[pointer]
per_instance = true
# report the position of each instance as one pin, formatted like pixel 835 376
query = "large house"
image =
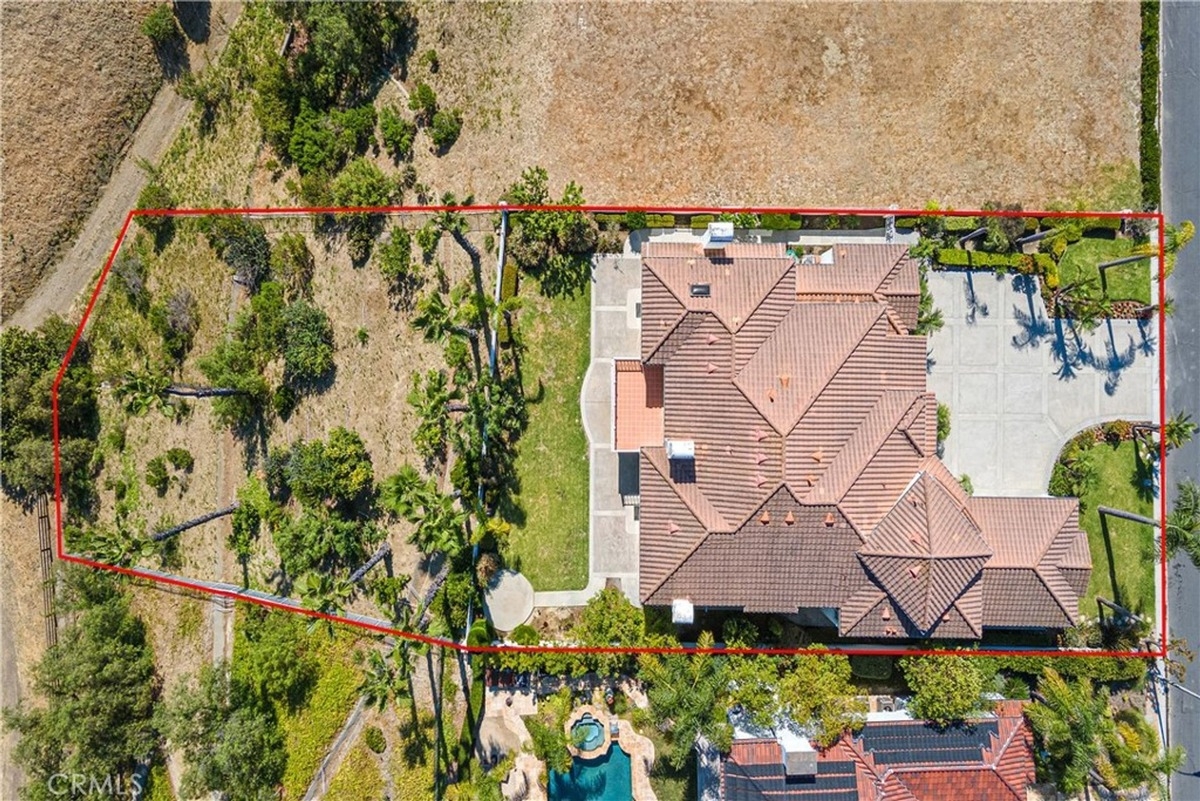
pixel 988 759
pixel 788 455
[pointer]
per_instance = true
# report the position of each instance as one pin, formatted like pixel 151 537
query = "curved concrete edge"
pixel 1064 438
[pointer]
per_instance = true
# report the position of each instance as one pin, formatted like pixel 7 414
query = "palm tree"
pixel 147 389
pixel 1179 430
pixel 1183 523
pixel 324 594
pixel 441 529
pixel 432 317
pixel 119 546
pixel 377 557
pixel 433 399
pixel 1068 719
pixel 402 494
pixel 195 521
pixel 379 680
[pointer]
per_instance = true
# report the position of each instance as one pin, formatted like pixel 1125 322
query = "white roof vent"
pixel 681 448
pixel 682 612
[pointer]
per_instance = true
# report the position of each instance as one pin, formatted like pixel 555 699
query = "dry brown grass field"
pixel 790 103
pixel 76 79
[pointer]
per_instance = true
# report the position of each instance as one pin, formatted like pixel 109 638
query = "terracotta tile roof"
pixel 639 405
pixel 804 397
pixel 737 281
pixel 859 269
pixel 989 759
pixel 798 360
pixel 769 566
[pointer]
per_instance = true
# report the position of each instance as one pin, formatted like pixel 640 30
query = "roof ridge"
pixel 872 445
pixel 1056 592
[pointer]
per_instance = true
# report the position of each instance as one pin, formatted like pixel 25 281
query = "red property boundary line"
pixel 185 583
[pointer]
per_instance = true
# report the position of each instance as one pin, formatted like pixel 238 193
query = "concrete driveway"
pixel 1019 385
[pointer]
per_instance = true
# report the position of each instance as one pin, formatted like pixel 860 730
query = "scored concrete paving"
pixel 612 531
pixel 1020 385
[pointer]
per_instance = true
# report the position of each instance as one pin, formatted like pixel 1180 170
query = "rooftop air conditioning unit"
pixel 682 612
pixel 717 236
pixel 680 449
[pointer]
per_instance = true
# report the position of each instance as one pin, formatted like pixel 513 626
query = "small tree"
pixel 397 134
pixel 446 127
pixel 308 342
pixel 687 694
pixel 945 688
pixel 395 259
pixel 1179 430
pixel 423 101
pixel 156 197
pixel 609 619
pixel 292 265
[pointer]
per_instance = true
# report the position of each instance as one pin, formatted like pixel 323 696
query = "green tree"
pixel 334 473
pixel 609 619
pixel 156 197
pixel 292 265
pixel 325 594
pixel 1067 720
pixel 396 262
pixel 29 364
pixel 1183 523
pixel 232 364
pixel 308 342
pixel 553 246
pixel 423 102
pixel 445 129
pixel 361 184
pixel 817 689
pixel 687 694
pixel 440 524
pixel 231 743
pixel 98 688
pixel 945 688
pixel 243 245
pixel 431 397
pixel 1178 430
pixel 273 656
pixel 397 134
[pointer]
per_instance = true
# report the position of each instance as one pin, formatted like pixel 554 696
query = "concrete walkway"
pixel 612 531
pixel 1019 385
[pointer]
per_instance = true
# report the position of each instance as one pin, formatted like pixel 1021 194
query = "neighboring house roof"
pixel 988 759
pixel 815 481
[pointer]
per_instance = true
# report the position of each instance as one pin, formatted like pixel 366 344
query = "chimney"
pixel 790 519
pixel 784 380
pixel 829 519
pixel 766 517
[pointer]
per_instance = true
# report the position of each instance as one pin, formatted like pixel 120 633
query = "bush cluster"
pixel 659 221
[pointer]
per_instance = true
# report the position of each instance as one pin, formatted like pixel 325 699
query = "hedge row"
pixel 1102 669
pixel 770 221
pixel 508 281
pixel 1150 148
pixel 1085 225
pixel 1038 263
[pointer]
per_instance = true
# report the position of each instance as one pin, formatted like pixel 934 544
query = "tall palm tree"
pixel 325 594
pixel 433 318
pixel 146 389
pixel 433 399
pixel 159 536
pixel 403 493
pixel 1068 720
pixel 1178 430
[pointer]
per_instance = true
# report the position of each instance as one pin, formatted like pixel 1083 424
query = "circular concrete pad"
pixel 509 600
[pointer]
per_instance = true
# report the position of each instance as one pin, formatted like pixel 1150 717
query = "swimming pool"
pixel 607 778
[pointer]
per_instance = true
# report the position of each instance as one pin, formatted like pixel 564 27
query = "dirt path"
pixel 61 289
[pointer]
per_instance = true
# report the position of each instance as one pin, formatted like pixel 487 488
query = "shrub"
pixel 943 422
pixel 1101 225
pixel 1117 431
pixel 701 220
pixel 660 221
pixel 397 133
pixel 774 221
pixel 292 265
pixel 907 222
pixel 964 481
pixel 156 475
pixel 635 220
pixel 979 260
pixel 430 59
pixel 873 668
pixel 508 281
pixel 609 219
pixel 180 459
pixel 374 739
pixel 160 25
pixel 959 225
pixel 155 196
pixel 395 258
pixel 308 342
pixel 447 125
pixel 423 101
pixel 525 634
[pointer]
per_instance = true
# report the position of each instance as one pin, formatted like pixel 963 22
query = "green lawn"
pixel 1125 282
pixel 549 542
pixel 1129 552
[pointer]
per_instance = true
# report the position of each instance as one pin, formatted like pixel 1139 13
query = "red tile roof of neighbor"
pixel 815 482
pixel 989 759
